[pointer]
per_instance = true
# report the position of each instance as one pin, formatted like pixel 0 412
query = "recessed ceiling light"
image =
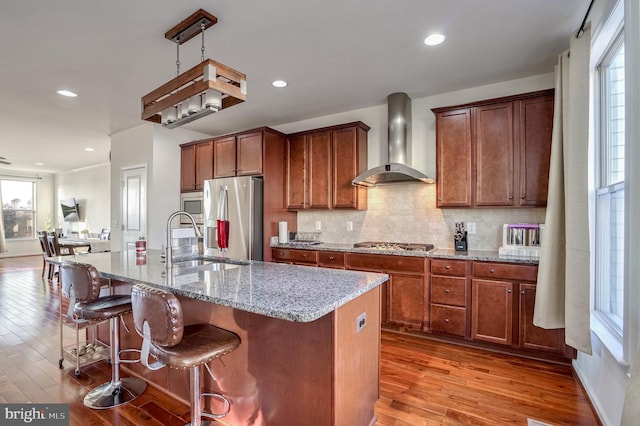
pixel 89 149
pixel 434 39
pixel 279 83
pixel 67 93
pixel 39 164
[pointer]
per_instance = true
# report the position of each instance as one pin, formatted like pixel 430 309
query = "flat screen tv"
pixel 69 210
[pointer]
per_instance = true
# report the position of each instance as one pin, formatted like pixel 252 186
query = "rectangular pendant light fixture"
pixel 202 90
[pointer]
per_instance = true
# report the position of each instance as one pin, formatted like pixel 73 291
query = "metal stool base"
pixel 110 394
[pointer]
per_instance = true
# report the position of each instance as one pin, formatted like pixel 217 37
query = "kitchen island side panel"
pixel 315 373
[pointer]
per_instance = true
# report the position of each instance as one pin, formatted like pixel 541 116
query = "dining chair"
pixel 46 253
pixel 54 246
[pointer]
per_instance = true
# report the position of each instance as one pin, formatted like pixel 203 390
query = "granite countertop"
pixel 289 292
pixel 477 255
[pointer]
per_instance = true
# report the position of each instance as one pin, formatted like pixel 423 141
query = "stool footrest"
pixel 129 361
pixel 222 398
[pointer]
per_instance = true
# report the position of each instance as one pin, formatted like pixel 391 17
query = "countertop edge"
pixel 472 255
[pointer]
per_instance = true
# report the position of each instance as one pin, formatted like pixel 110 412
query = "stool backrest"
pixel 162 312
pixel 84 279
pixel 44 244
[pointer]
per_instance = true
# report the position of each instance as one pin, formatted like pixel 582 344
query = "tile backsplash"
pixel 407 213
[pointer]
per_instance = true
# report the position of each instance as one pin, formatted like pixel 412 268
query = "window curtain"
pixel 3 242
pixel 562 296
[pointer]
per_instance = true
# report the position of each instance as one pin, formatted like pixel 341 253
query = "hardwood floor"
pixel 422 382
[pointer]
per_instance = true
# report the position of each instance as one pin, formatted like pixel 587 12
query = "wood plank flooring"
pixel 422 382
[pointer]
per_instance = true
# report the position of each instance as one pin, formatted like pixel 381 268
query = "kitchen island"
pixel 310 337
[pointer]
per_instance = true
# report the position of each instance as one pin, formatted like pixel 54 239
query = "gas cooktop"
pixel 391 246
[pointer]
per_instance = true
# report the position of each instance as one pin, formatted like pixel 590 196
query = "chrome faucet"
pixel 168 248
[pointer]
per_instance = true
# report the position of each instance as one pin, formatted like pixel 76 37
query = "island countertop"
pixel 292 293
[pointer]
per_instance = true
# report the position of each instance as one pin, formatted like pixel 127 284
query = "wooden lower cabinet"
pixel 405 300
pixel 448 319
pixel 295 257
pixel 532 337
pixel 492 311
pixel 490 303
pixel 405 295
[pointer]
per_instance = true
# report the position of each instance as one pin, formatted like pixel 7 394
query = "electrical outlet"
pixel 318 225
pixel 349 225
pixel 471 228
pixel 361 321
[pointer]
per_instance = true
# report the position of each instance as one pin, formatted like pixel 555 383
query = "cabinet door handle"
pixel 446 290
pixel 446 320
pixel 509 291
pixel 522 292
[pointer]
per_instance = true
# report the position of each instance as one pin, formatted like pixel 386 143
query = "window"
pixel 18 209
pixel 610 146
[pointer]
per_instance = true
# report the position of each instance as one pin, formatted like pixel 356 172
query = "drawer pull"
pixel 492 270
pixel 447 267
pixel 331 258
pixel 446 290
pixel 446 320
pixel 304 255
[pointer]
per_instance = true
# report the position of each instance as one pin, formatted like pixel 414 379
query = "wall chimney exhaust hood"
pixel 397 169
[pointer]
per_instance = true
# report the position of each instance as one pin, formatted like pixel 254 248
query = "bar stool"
pixel 91 307
pixel 157 317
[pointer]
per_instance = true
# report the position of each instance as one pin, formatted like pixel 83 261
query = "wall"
pixel 406 212
pixel 90 186
pixel 45 209
pixel 159 150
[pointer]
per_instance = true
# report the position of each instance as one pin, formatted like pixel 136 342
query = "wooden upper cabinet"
pixel 495 153
pixel 204 163
pixel 224 157
pixel 322 163
pixel 295 175
pixel 318 170
pixel 535 130
pixel 196 165
pixel 188 168
pixel 249 154
pixel 238 155
pixel 454 159
pixel 349 147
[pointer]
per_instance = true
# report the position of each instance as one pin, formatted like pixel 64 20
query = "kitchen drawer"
pixel 449 290
pixel 295 256
pixel 331 259
pixel 448 319
pixel 505 271
pixel 449 267
pixel 382 262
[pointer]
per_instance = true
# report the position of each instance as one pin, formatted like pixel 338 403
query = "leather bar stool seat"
pixel 157 316
pixel 84 279
pixel 196 346
pixel 104 308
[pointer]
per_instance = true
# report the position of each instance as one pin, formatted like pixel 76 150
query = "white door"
pixel 134 205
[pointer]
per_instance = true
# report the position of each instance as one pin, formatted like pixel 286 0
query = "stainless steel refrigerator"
pixel 233 217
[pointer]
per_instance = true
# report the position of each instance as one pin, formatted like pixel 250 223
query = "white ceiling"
pixel 337 56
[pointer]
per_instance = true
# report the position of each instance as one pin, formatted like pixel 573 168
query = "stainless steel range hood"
pixel 397 169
